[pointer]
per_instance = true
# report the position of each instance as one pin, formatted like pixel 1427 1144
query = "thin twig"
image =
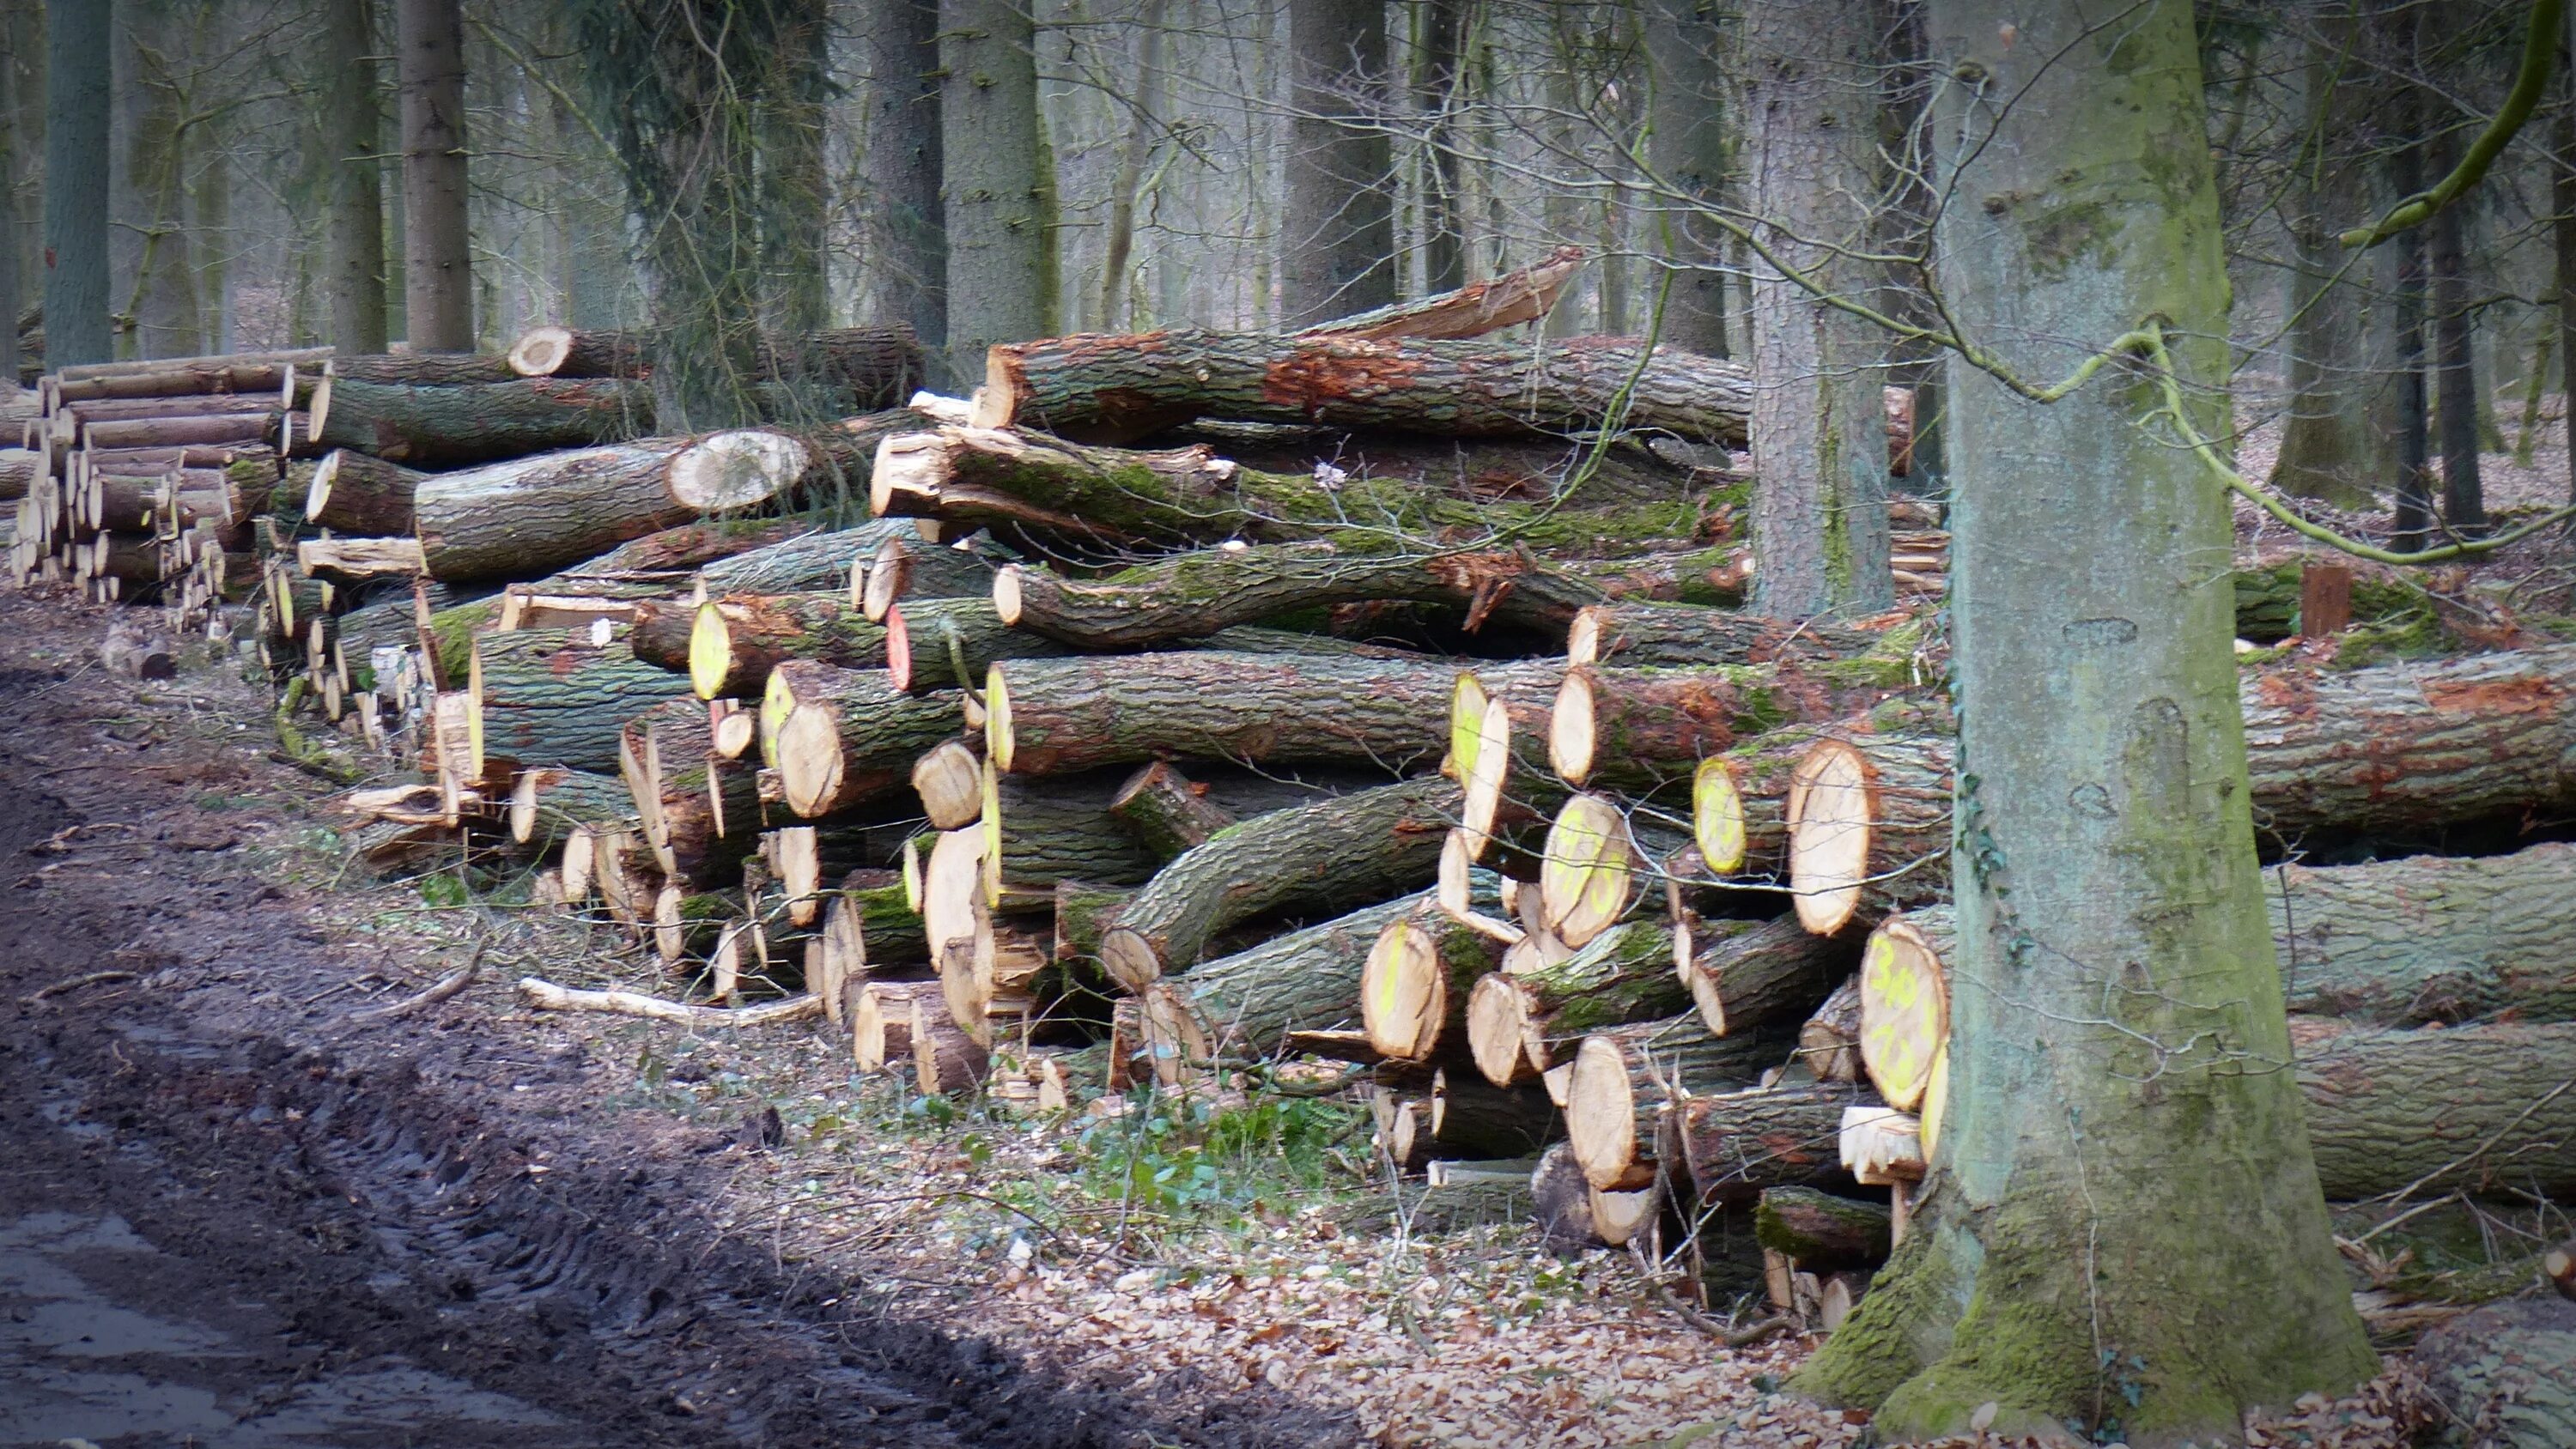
pixel 63 988
pixel 447 986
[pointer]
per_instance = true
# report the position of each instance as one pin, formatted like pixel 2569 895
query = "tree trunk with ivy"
pixel 2124 1160
pixel 1819 429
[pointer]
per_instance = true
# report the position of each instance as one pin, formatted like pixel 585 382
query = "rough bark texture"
pixel 1654 635
pixel 1623 975
pixel 953 643
pixel 509 520
pixel 996 197
pixel 2109 1179
pixel 1641 728
pixel 1819 429
pixel 551 697
pixel 1690 147
pixel 1054 715
pixel 2330 449
pixel 1118 389
pixel 438 260
pixel 1037 833
pixel 1735 1145
pixel 1820 1232
pixel 364 495
pixel 431 426
pixel 1320 857
pixel 843 736
pixel 735 640
pixel 1092 496
pixel 1748 974
pixel 77 90
pixel 907 245
pixel 355 206
pixel 1625 1076
pixel 1309 980
pixel 1338 221
pixel 2430 938
pixel 2503 1372
pixel 808 558
pixel 699 810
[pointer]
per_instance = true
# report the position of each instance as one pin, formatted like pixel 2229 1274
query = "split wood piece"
pixel 735 641
pixel 1325 856
pixel 842 737
pixel 952 643
pixel 1881 1146
pixel 1165 813
pixel 1746 975
pixel 1397 1115
pixel 1625 1075
pixel 1038 832
pixel 1822 1233
pixel 360 558
pixel 1524 295
pixel 870 925
pixel 543 605
pixel 1829 1043
pixel 907 566
pixel 532 515
pixel 1471 1117
pixel 945 1059
pixel 1193 595
pixel 1868 823
pixel 548 801
pixel 1521 1020
pixel 797 863
pixel 868 367
pixel 1452 898
pixel 1004 972
pixel 1091 498
pixel 949 778
pixel 448 427
pixel 1619 1217
pixel 547 996
pixel 1415 987
pixel 736 728
pixel 881 1022
pixel 687 925
pixel 353 492
pixel 1049 716
pixel 697 809
pixel 1116 389
pixel 554 697
pixel 953 908
pixel 1734 1145
pixel 1653 635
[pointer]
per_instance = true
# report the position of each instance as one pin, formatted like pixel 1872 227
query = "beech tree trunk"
pixel 996 195
pixel 1337 223
pixel 77 92
pixel 2464 509
pixel 2121 1163
pixel 2330 449
pixel 1819 429
pixel 438 258
pixel 1119 389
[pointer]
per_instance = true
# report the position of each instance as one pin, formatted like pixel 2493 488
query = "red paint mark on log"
pixel 2496 696
pixel 1318 373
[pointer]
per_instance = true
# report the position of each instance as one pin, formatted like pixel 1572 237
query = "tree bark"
pixel 549 802
pixel 2102 759
pixel 1415 988
pixel 953 643
pixel 1038 833
pixel 1641 729
pixel 1119 389
pixel 2501 1373
pixel 2464 509
pixel 737 639
pixel 550 697
pixel 1523 1021
pixel 422 369
pixel 77 92
pixel 1734 1146
pixel 352 126
pixel 438 259
pixel 1820 1232
pixel 842 737
pixel 1047 716
pixel 438 426
pixel 1246 1004
pixel 901 166
pixel 869 368
pixel 1819 427
pixel 1337 223
pixel 353 492
pixel 1679 636
pixel 2330 451
pixel 808 557
pixel 699 810
pixel 1624 1076
pixel 997 204
pixel 1435 93
pixel 1320 857
pixel 2462 1107
pixel 1691 153
pixel 1749 974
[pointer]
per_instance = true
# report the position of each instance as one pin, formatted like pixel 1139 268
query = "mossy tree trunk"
pixel 2123 1161
pixel 1819 429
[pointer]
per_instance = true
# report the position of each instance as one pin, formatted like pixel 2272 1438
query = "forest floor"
pixel 235 1215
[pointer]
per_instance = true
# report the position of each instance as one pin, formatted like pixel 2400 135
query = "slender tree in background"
pixel 161 305
pixel 2412 525
pixel 994 194
pixel 1690 152
pixel 795 296
pixel 2124 1163
pixel 2563 239
pixel 2455 400
pixel 906 245
pixel 1440 25
pixel 2330 450
pixel 1819 428
pixel 682 87
pixel 438 259
pixel 12 142
pixel 352 109
pixel 1143 127
pixel 1337 227
pixel 77 37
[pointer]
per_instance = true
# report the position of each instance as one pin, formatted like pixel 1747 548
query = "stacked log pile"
pixel 1144 713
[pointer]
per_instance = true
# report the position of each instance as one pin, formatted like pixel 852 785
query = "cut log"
pixel 686 926
pixel 1905 1005
pixel 685 795
pixel 1416 984
pixel 846 736
pixel 1683 636
pixel 1625 1076
pixel 1735 1145
pixel 1829 1044
pixel 546 996
pixel 1037 833
pixel 907 566
pixel 869 367
pixel 554 697
pixel 952 643
pixel 1084 912
pixel 809 558
pixel 1519 1021
pixel 533 515
pixel 548 801
pixel 949 778
pixel 1049 716
pixel 352 492
pixel 1868 823
pixel 694 545
pixel 1593 870
pixel 1524 295
pixel 1754 974
pixel 734 641
pixel 1321 857
pixel 182 378
pixel 2472 1107
pixel 1116 389
pixel 1249 1003
pixel 2500 1374
pixel 1639 729
pixel 239 430
pixel 354 559
pixel 2429 938
pixel 448 427
pixel 1822 1233
pixel 881 1022
pixel 870 926
pixel 1091 498
pixel 1165 813
pixel 945 1060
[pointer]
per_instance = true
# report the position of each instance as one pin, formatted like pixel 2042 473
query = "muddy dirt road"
pixel 230 1216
